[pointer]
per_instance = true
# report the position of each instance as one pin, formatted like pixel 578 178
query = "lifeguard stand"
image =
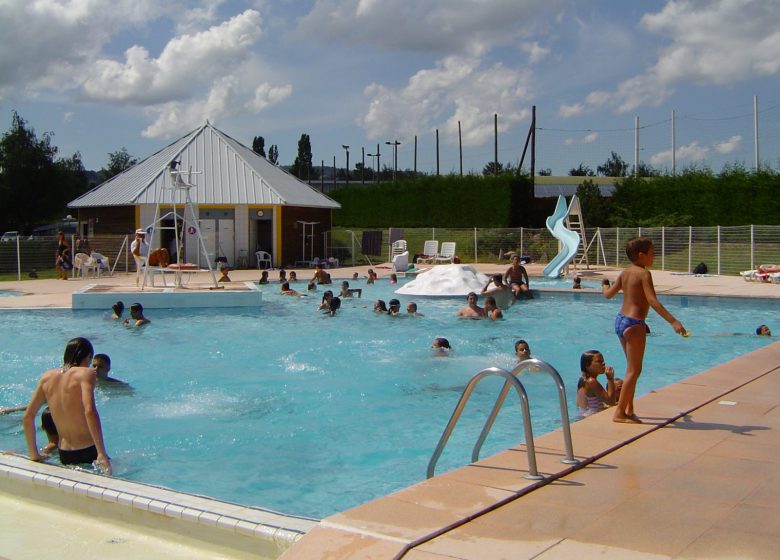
pixel 178 187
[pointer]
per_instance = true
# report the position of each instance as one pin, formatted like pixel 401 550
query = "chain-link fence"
pixel 725 250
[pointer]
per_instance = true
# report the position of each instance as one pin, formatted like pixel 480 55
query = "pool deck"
pixel 699 479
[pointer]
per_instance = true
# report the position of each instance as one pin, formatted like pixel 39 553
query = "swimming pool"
pixel 284 408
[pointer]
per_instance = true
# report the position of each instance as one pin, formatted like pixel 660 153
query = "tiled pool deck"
pixel 700 479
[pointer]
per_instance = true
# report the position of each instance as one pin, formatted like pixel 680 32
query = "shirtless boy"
pixel 516 277
pixel 638 296
pixel 472 310
pixel 70 393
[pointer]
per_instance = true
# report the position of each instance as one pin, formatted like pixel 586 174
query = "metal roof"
pixel 224 172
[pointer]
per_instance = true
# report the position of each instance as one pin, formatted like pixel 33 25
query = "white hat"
pixel 140 232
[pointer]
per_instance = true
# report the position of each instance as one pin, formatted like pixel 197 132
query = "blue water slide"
pixel 570 239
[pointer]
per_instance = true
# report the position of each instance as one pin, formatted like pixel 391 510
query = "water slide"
pixel 568 238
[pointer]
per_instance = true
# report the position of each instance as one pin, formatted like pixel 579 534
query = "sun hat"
pixel 140 232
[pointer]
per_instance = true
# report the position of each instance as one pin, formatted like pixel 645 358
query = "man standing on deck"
pixel 70 393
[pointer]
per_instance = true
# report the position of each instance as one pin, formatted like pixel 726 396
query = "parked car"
pixel 9 236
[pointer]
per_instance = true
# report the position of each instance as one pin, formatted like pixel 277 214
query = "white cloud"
pixel 47 45
pixel 266 95
pixel 68 116
pixel 184 67
pixel 728 146
pixel 535 52
pixel 566 111
pixel 434 26
pixel 710 42
pixel 589 138
pixel 457 89
pixel 691 152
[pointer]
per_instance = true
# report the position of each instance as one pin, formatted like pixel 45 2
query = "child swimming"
pixel 591 395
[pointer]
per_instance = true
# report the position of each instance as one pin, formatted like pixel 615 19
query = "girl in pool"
pixel 380 306
pixel 591 395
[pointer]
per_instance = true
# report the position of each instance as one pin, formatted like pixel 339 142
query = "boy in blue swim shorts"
pixel 639 296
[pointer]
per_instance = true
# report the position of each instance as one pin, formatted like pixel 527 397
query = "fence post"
pixel 752 255
pixel 663 247
pixel 690 246
pixel 18 260
pixel 521 241
pixel 476 258
pixel 718 250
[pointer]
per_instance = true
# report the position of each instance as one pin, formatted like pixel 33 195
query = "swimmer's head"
pixel 490 303
pixel 102 364
pixel 411 307
pixel 293 275
pixel 393 306
pixel 522 350
pixel 312 287
pixel 637 245
pixel 354 275
pixel 763 330
pixel 441 343
pixel 345 285
pixel 588 357
pixel 118 308
pixel 77 350
pixel 285 286
pixel 498 279
pixel 379 305
pixel 136 310
pixel 472 298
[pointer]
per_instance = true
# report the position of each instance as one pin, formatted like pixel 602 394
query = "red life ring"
pixel 183 266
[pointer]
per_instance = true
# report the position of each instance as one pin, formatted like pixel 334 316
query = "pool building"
pixel 244 203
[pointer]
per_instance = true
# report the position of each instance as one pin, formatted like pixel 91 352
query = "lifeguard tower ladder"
pixel 575 222
pixel 178 187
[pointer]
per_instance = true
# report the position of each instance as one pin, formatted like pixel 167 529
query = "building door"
pixel 208 229
pixel 226 241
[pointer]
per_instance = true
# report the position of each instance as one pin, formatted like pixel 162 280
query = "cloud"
pixel 442 27
pixel 47 45
pixel 184 67
pixel 728 146
pixel 457 89
pixel 266 95
pixel 691 152
pixel 535 52
pixel 709 42
pixel 589 138
pixel 68 116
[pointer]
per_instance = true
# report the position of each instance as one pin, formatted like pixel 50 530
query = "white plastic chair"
pixel 263 257
pixel 85 265
pixel 430 249
pixel 447 253
pixel 397 248
pixel 103 263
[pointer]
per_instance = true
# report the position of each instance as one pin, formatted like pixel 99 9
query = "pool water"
pixel 284 408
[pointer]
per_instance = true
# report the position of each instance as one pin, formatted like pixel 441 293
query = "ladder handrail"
pixel 543 366
pixel 509 379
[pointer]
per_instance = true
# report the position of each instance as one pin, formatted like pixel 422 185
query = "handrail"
pixel 543 366
pixel 509 379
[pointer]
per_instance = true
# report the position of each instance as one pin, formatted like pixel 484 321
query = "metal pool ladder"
pixel 510 380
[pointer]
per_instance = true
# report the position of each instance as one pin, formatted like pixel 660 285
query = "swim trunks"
pixel 622 323
pixel 78 456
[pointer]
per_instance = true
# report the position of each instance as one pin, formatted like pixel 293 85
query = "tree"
pixel 545 172
pixel 581 170
pixel 595 207
pixel 258 145
pixel 645 170
pixel 490 168
pixel 273 154
pixel 34 187
pixel 118 161
pixel 302 166
pixel 613 167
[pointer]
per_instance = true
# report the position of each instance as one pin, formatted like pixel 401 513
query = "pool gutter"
pixel 246 530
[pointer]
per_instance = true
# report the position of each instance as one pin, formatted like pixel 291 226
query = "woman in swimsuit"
pixel 62 260
pixel 591 395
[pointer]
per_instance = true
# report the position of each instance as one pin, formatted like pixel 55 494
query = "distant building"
pixel 243 202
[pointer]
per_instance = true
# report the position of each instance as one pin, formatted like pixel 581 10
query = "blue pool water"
pixel 284 408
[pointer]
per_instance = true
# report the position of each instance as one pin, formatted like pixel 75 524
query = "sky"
pixel 101 75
